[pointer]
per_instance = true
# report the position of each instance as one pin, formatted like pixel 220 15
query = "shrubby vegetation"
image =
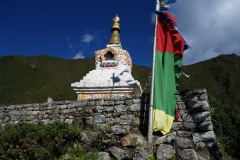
pixel 51 141
pixel 226 122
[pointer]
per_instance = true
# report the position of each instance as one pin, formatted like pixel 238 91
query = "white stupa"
pixel 112 76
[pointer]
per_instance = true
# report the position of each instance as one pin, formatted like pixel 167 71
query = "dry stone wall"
pixel 192 136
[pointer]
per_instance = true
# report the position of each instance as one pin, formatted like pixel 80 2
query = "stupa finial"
pixel 115 37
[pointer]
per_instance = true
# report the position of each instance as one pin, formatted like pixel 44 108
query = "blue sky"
pixel 76 28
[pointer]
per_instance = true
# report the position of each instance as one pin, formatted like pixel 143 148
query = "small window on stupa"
pixel 109 56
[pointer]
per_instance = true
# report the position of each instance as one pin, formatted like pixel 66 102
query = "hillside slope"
pixel 33 79
pixel 219 75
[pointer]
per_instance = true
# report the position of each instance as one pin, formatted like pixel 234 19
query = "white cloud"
pixel 79 55
pixel 211 27
pixel 87 38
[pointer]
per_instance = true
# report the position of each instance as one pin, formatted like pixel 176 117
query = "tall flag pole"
pixel 168 50
pixel 150 129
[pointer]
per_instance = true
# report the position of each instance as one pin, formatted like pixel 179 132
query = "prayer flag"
pixel 168 61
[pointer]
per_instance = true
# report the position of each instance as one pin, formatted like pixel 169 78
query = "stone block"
pixel 201 145
pixel 88 120
pixel 184 143
pixel 69 121
pixel 62 116
pixel 99 102
pixel 98 108
pixel 99 119
pixel 203 137
pixel 18 107
pixel 188 154
pixel 30 118
pixel 29 112
pixel 117 129
pixel 197 117
pixel 199 106
pixel 128 101
pixel 39 117
pixel 203 97
pixel 108 103
pixel 6 119
pixel 45 121
pixel 78 121
pixel 96 126
pixel 114 97
pixel 190 126
pixel 120 108
pixel 54 114
pixel 179 98
pixel 1 115
pixel 79 108
pixel 76 104
pixel 123 98
pixel 91 103
pixel 136 101
pixel 45 116
pixel 36 109
pixel 206 126
pixel 14 118
pixel 73 110
pixel 136 121
pixel 177 126
pixel 117 114
pixel 23 112
pixel 144 154
pixel 13 112
pixel 35 113
pixel 49 107
pixel 65 111
pixel 190 97
pixel 126 119
pixel 110 120
pixel 119 153
pixel 135 107
pixel 35 121
pixel 199 91
pixel 165 152
pixel 63 106
pixel 103 156
pixel 108 108
pixel 167 138
pixel 129 116
pixel 108 115
pixel 11 107
pixel 181 105
pixel 132 140
pixel 182 112
pixel 119 102
pixel 184 133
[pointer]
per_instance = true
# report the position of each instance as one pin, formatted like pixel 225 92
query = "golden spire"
pixel 115 37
